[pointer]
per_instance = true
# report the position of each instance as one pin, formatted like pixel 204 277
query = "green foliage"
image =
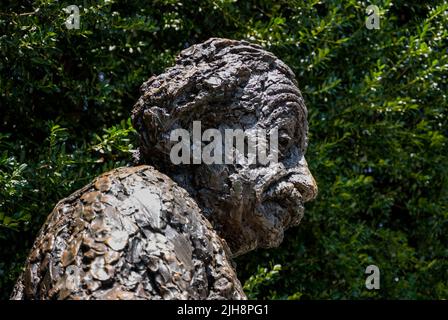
pixel 116 142
pixel 377 104
pixel 261 280
pixel 31 188
pixel 378 122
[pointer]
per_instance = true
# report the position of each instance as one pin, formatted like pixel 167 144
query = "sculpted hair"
pixel 220 82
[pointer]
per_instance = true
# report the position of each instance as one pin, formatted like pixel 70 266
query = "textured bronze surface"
pixel 228 84
pixel 131 234
pixel 135 233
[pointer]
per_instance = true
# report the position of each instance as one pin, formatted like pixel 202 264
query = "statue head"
pixel 227 84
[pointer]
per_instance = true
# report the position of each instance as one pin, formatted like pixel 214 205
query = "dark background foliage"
pixel 377 103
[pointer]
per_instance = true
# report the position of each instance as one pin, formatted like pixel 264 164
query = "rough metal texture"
pixel 130 234
pixel 133 233
pixel 228 84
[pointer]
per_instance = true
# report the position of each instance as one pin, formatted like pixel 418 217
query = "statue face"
pixel 252 205
pixel 229 84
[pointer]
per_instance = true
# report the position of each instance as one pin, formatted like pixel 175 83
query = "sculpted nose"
pixel 304 181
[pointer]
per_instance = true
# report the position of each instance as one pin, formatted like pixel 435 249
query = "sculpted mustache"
pixel 268 189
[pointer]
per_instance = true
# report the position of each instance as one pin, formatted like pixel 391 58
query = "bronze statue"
pixel 135 233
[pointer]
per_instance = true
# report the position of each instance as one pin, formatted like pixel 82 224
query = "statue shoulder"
pixel 132 233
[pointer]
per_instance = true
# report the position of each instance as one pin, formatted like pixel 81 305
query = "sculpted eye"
pixel 283 141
